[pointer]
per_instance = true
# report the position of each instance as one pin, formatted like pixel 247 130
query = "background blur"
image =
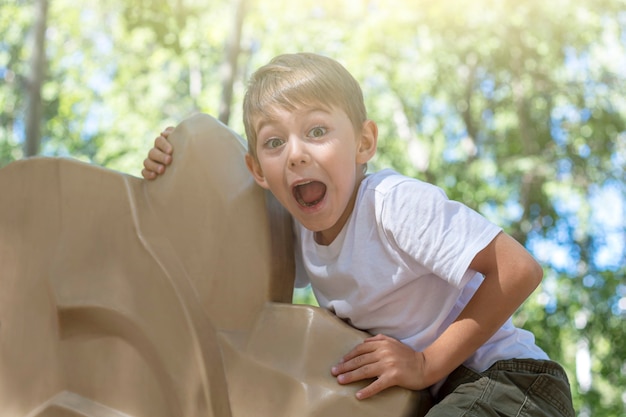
pixel 516 108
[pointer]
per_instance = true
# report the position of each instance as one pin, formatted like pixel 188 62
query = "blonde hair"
pixel 298 80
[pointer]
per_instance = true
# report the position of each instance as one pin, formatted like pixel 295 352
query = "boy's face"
pixel 312 161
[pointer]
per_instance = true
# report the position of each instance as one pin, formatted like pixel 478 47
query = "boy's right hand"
pixel 159 157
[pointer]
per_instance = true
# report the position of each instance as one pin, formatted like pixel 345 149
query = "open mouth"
pixel 310 193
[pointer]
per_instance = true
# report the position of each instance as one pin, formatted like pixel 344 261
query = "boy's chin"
pixel 312 226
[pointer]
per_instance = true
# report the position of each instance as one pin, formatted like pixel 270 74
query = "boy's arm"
pixel 159 157
pixel 511 275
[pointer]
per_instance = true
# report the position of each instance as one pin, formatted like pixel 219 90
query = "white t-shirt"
pixel 400 267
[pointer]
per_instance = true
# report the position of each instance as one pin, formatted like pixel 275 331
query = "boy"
pixel 435 281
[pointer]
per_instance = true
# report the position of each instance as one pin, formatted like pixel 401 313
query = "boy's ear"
pixel 367 143
pixel 256 171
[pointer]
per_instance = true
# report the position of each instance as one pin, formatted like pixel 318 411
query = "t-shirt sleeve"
pixel 432 231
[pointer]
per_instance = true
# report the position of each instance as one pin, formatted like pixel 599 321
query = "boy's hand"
pixel 159 157
pixel 388 360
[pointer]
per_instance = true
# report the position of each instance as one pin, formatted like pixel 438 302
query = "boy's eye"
pixel 317 132
pixel 273 143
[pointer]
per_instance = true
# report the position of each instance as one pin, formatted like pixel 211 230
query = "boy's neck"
pixel 328 236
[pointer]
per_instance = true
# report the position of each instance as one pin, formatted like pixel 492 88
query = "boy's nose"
pixel 297 153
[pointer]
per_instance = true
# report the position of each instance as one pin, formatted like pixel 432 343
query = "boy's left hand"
pixel 388 360
pixel 159 157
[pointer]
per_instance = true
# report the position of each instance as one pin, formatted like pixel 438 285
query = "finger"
pixel 147 174
pixel 159 157
pixel 360 355
pixel 163 145
pixel 372 389
pixel 354 363
pixel 349 363
pixel 358 350
pixel 166 132
pixel 153 166
pixel 365 371
pixel 378 338
pixel 360 368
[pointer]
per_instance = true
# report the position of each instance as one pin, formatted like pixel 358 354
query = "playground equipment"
pixel 124 297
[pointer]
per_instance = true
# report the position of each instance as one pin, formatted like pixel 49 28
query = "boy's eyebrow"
pixel 264 122
pixel 269 120
pixel 318 109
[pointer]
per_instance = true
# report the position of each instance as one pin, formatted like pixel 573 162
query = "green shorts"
pixel 517 387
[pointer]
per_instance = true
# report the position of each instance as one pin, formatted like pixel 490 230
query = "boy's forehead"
pixel 273 113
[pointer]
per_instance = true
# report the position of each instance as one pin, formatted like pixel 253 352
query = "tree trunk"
pixel 35 82
pixel 229 67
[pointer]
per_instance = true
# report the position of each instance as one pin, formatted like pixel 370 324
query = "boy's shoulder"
pixel 387 181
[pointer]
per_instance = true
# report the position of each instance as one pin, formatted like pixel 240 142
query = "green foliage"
pixel 515 108
pixel 14 24
pixel 304 296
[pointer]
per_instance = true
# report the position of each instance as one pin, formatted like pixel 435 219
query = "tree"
pixel 15 24
pixel 504 105
pixel 229 67
pixel 35 82
pixel 515 114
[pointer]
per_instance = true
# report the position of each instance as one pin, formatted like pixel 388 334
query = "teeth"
pixel 311 204
pixel 305 204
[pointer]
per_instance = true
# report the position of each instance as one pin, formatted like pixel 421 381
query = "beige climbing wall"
pixel 120 297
